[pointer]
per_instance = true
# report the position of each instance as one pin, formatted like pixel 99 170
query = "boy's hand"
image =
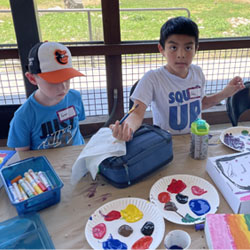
pixel 234 86
pixel 122 132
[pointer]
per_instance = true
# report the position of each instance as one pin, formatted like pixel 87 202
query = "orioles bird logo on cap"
pixel 61 56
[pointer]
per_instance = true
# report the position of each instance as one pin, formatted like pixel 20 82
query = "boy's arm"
pixel 125 131
pixel 23 148
pixel 233 86
pixel 18 135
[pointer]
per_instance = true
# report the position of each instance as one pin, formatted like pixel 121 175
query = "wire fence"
pixel 219 66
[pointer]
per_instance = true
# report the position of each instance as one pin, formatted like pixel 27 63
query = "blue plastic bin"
pixel 39 201
pixel 25 232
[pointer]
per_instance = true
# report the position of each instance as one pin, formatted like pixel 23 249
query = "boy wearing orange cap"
pixel 50 116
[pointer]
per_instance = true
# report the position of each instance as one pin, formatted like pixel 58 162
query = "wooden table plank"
pixel 66 220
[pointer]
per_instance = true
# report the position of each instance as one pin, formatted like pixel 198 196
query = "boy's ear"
pixel 161 50
pixel 31 78
pixel 197 47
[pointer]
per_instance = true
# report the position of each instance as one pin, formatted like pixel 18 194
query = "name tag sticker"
pixel 66 114
pixel 194 92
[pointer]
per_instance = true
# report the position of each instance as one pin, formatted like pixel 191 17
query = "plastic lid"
pixel 200 127
pixel 25 232
pixel 5 155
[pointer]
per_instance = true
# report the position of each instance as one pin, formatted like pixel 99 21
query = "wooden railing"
pixel 113 54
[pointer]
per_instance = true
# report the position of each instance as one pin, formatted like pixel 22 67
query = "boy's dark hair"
pixel 179 26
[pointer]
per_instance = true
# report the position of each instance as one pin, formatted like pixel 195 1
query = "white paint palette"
pixel 236 138
pixel 199 193
pixel 150 213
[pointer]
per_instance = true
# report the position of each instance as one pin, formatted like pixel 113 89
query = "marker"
pixel 26 188
pixel 12 191
pixel 18 193
pixel 48 180
pixel 16 179
pixel 44 180
pixel 32 183
pixel 24 196
pixel 129 112
pixel 37 181
pixel 30 187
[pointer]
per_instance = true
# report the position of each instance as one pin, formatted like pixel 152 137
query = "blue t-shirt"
pixel 43 127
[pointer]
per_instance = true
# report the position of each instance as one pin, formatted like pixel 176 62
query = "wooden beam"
pixel 111 31
pixel 27 33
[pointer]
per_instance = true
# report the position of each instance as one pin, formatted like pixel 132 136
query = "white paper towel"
pixel 101 146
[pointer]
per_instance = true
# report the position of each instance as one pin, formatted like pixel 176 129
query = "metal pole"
pixel 90 26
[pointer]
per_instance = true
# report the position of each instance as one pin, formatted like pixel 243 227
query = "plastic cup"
pixel 177 239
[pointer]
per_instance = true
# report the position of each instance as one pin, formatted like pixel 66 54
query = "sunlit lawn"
pixel 221 18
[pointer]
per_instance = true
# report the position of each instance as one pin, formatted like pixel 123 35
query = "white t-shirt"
pixel 175 102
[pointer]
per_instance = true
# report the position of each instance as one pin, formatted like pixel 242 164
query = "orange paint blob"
pixel 143 243
pixel 164 197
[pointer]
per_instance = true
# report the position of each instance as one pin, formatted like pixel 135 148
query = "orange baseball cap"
pixel 52 61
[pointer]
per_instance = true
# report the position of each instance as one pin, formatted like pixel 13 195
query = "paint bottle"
pixel 199 139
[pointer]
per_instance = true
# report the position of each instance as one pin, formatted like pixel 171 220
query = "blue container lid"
pixel 200 127
pixel 5 155
pixel 25 232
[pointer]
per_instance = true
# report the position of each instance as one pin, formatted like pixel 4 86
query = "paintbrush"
pixel 129 112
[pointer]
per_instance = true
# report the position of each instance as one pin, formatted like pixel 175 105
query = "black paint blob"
pixel 183 199
pixel 148 228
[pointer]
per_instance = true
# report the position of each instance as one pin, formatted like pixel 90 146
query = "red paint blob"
pixel 99 231
pixel 164 197
pixel 112 215
pixel 143 243
pixel 197 190
pixel 176 186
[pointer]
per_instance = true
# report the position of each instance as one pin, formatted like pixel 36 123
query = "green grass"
pixel 214 18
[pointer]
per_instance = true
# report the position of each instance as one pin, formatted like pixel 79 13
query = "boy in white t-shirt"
pixel 176 90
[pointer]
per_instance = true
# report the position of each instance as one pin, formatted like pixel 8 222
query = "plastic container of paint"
pixel 199 139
